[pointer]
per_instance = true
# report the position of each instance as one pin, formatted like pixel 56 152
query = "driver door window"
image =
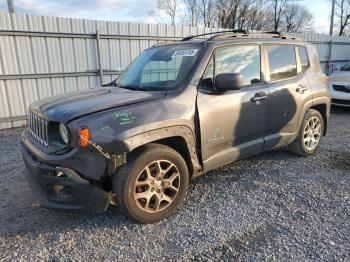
pixel 234 59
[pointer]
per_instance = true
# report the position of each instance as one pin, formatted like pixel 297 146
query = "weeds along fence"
pixel 41 56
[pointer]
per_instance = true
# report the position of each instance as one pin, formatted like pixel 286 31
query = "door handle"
pixel 258 97
pixel 301 89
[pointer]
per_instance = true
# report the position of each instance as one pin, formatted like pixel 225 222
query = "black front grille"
pixel 342 88
pixel 341 102
pixel 38 128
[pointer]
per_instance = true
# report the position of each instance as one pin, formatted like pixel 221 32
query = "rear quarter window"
pixel 304 60
pixel 282 62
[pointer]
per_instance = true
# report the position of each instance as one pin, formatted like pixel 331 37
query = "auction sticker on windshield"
pixel 185 52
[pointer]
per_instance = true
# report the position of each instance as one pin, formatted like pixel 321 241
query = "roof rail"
pixel 241 33
pixel 218 32
pixel 235 33
pixel 273 34
pixel 280 35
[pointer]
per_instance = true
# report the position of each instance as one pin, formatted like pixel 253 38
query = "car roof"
pixel 258 40
pixel 238 36
pixel 226 41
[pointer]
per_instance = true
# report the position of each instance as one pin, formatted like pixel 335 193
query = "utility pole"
pixel 332 19
pixel 11 6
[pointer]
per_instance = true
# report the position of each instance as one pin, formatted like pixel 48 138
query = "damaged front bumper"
pixel 62 188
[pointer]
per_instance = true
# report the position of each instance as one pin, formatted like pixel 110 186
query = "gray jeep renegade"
pixel 178 111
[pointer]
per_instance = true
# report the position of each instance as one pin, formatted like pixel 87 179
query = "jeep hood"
pixel 64 108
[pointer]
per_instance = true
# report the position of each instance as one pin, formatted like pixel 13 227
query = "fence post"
pixel 100 71
pixel 330 56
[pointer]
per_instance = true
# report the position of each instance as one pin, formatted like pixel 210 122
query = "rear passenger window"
pixel 282 62
pixel 303 58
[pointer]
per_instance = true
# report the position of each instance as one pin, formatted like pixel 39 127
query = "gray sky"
pixel 132 10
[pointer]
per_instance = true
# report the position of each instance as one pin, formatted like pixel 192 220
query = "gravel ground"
pixel 274 206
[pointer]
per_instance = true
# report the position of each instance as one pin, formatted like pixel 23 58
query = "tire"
pixel 138 177
pixel 301 145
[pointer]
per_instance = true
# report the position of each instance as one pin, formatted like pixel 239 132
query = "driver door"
pixel 232 123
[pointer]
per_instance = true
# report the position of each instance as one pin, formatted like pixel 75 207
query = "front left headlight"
pixel 64 132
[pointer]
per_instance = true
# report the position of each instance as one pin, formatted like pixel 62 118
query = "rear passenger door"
pixel 288 91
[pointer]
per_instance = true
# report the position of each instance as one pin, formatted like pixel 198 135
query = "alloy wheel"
pixel 157 186
pixel 312 133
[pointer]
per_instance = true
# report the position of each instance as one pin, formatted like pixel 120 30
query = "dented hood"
pixel 63 108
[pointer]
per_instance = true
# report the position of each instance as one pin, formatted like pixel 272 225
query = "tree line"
pixel 269 15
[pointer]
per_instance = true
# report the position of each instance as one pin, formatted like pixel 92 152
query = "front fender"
pixel 122 130
pixel 184 132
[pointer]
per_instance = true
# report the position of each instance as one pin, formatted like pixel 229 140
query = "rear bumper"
pixel 66 191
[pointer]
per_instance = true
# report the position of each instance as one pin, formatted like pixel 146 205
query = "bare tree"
pixel 287 15
pixel 207 11
pixel 259 17
pixel 278 6
pixel 279 9
pixel 223 11
pixel 343 13
pixel 170 7
pixel 244 8
pixel 192 9
pixel 235 13
pixel 296 18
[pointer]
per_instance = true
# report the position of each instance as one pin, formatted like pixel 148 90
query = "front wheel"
pixel 310 134
pixel 152 185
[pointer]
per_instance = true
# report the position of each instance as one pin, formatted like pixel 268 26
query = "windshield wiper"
pixel 132 87
pixel 113 83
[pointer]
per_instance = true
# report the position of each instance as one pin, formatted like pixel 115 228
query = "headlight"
pixel 64 133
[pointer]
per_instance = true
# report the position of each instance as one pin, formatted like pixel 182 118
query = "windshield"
pixel 160 68
pixel 345 67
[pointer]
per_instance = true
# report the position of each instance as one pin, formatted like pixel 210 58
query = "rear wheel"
pixel 310 134
pixel 152 185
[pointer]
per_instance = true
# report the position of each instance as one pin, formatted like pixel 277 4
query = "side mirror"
pixel 231 81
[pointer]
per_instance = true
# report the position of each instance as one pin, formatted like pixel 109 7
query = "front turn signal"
pixel 84 137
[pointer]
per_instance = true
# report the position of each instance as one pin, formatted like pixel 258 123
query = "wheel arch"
pixel 322 108
pixel 319 103
pixel 179 138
